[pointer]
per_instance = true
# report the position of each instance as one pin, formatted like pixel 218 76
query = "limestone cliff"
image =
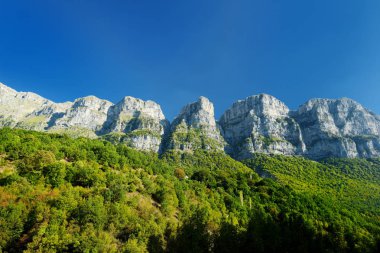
pixel 338 128
pixel 195 128
pixel 262 124
pixel 318 129
pixel 142 123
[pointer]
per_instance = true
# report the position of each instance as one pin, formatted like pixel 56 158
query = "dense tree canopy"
pixel 59 194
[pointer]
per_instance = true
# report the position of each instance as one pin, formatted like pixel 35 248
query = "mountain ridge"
pixel 318 129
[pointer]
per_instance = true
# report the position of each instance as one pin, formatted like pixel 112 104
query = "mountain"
pixel 27 110
pixel 86 115
pixel 62 194
pixel 261 124
pixel 318 129
pixel 195 128
pixel 140 124
pixel 338 128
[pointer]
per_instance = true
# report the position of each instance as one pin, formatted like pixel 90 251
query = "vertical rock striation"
pixel 138 123
pixel 262 124
pixel 195 128
pixel 85 116
pixel 320 128
pixel 26 110
pixel 338 128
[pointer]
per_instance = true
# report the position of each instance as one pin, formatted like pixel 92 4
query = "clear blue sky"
pixel 174 51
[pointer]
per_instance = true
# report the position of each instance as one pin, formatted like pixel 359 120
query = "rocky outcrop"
pixel 26 110
pixel 262 124
pixel 86 115
pixel 258 124
pixel 338 128
pixel 195 128
pixel 318 129
pixel 142 124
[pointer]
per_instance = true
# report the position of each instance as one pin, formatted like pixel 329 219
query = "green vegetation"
pixel 270 140
pixel 33 123
pixel 59 194
pixel 367 170
pixel 185 137
pixel 74 132
pixel 353 184
pixel 143 132
pixel 116 137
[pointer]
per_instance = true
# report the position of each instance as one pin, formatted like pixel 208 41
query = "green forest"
pixel 59 194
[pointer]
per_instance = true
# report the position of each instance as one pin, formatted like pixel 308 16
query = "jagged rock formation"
pixel 195 128
pixel 140 124
pixel 338 128
pixel 26 109
pixel 261 124
pixel 318 129
pixel 85 116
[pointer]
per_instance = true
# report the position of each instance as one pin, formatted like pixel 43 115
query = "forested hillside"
pixel 59 194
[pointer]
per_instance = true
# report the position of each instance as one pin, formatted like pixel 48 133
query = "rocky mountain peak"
pixel 341 104
pixel 16 106
pixel 341 116
pixel 205 105
pixel 138 123
pixel 261 123
pixel 319 128
pixel 6 89
pixel 90 101
pixel 339 127
pixel 198 114
pixel 195 127
pixel 131 105
pixel 85 114
pixel 264 104
pixel 257 105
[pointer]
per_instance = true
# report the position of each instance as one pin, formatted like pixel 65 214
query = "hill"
pixel 60 194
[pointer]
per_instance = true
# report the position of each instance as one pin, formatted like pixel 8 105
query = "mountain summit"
pixel 261 123
pixel 195 128
pixel 318 129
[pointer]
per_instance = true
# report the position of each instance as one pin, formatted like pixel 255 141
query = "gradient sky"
pixel 175 51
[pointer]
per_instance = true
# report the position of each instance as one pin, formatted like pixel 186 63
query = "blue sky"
pixel 172 52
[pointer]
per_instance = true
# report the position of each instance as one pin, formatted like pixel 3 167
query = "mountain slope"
pixel 77 195
pixel 140 124
pixel 195 128
pixel 318 129
pixel 353 183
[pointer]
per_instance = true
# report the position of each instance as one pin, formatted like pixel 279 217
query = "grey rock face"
pixel 318 129
pixel 88 112
pixel 133 113
pixel 142 121
pixel 262 124
pixel 338 128
pixel 19 104
pixel 140 124
pixel 195 128
pixel 26 109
